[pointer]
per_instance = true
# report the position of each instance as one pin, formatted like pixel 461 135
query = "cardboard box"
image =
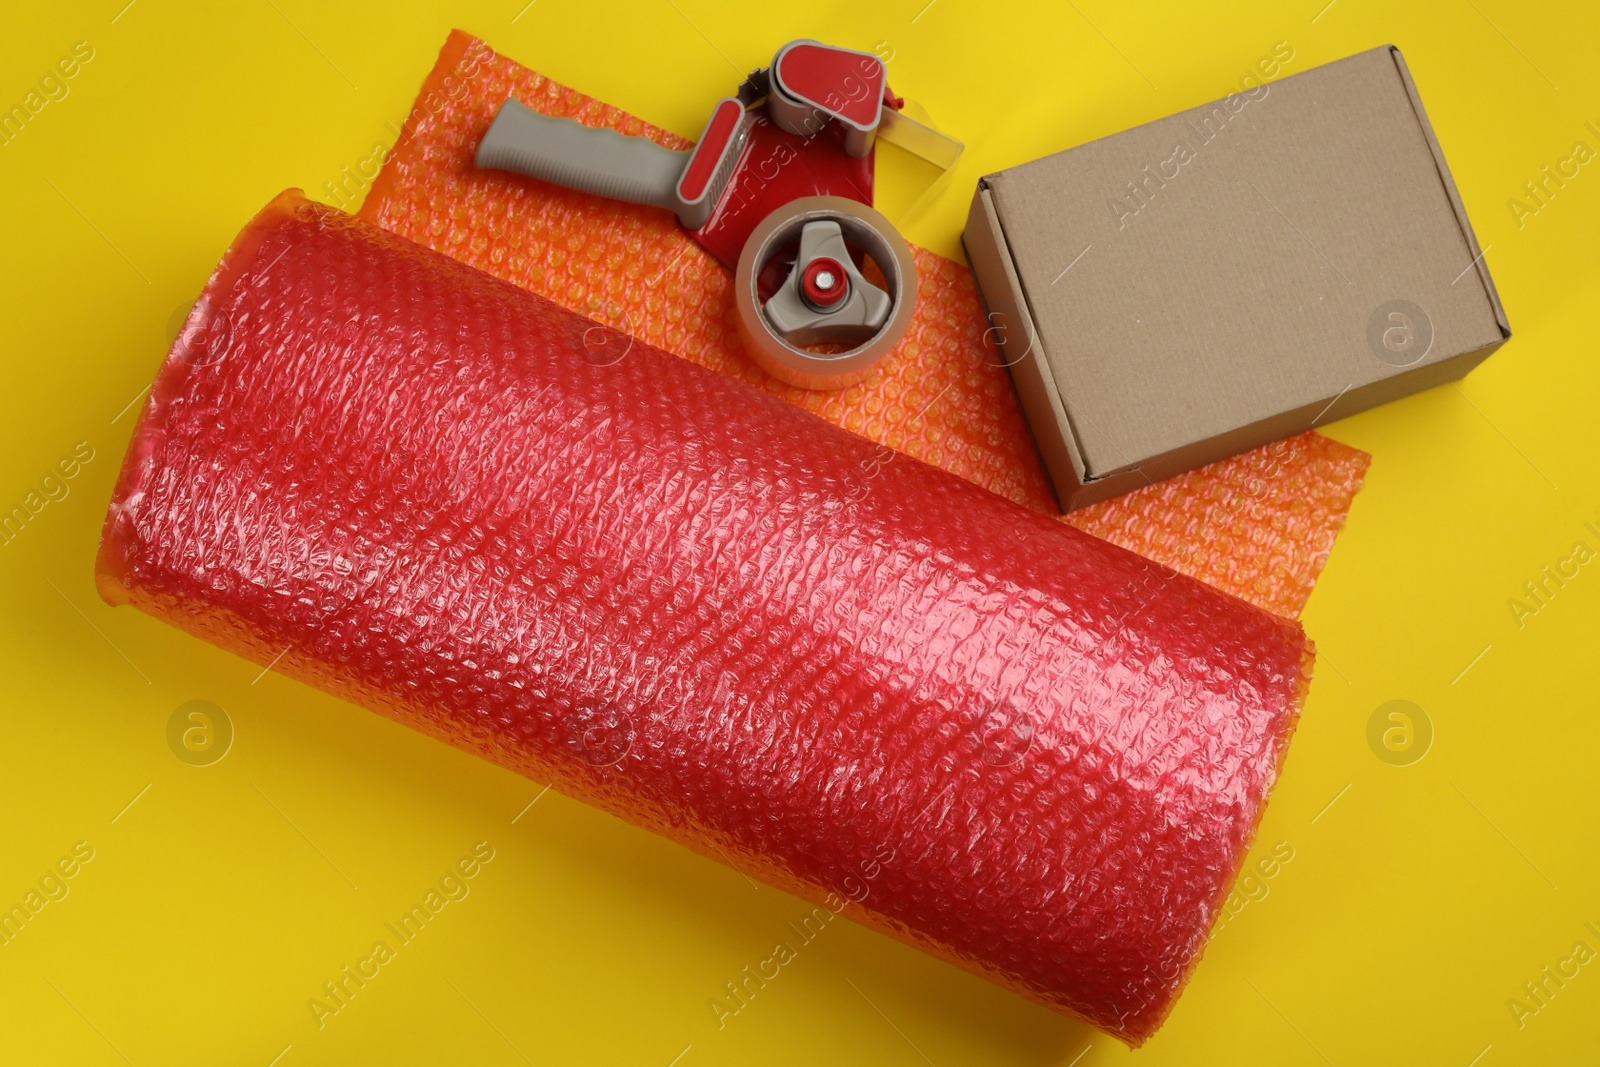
pixel 1206 283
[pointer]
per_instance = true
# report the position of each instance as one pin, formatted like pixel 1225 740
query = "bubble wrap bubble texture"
pixel 1259 525
pixel 849 673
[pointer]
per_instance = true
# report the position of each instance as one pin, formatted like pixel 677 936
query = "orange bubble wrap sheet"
pixel 1259 525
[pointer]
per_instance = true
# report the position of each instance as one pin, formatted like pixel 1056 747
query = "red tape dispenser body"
pixel 782 175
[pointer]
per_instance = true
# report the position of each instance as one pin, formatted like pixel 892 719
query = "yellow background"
pixel 216 905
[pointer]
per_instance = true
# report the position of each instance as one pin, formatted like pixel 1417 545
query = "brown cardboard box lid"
pixel 1180 303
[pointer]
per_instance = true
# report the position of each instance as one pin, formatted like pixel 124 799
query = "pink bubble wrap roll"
pixel 852 675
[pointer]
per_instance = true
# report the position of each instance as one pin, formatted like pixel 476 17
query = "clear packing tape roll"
pixel 1011 744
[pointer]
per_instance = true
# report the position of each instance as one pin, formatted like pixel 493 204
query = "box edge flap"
pixel 1479 264
pixel 1036 346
